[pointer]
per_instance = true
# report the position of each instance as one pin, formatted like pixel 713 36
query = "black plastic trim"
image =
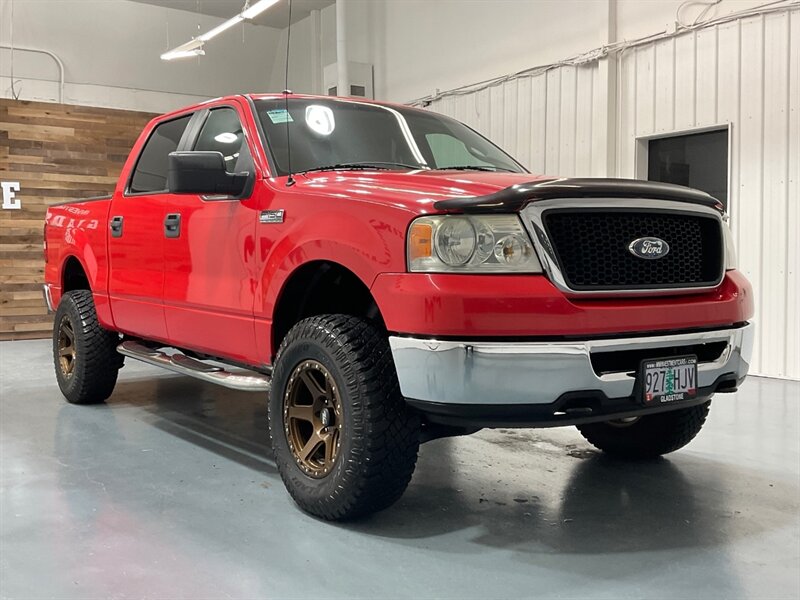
pixel 192 132
pixel 517 197
pixel 189 141
pixel 271 163
pixel 571 408
pixel 189 179
pixel 172 225
pixel 115 226
pixel 641 287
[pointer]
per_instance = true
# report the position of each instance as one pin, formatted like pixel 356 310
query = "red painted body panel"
pixel 136 263
pixel 79 231
pixel 215 288
pixel 513 305
pixel 368 236
pixel 358 220
pixel 136 259
pixel 211 271
pixel 210 277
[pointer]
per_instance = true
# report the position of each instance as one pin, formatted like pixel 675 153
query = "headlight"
pixel 477 244
pixel 730 250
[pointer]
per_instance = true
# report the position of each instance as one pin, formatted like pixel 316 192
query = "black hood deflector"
pixel 516 197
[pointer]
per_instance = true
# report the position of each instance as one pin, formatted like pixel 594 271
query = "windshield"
pixel 341 134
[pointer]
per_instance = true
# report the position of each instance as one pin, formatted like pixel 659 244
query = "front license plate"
pixel 669 379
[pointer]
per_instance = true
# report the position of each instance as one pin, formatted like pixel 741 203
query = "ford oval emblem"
pixel 649 248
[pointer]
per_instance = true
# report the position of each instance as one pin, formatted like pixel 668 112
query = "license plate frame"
pixel 663 372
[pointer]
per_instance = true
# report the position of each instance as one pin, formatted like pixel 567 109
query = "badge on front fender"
pixel 271 216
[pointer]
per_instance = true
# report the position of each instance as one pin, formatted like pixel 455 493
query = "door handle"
pixel 172 225
pixel 116 226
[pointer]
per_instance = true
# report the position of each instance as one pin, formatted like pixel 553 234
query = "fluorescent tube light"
pixel 220 28
pixel 173 54
pixel 226 137
pixel 194 47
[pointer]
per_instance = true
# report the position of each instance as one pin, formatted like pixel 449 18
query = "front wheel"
pixel 345 441
pixel 648 436
pixel 85 354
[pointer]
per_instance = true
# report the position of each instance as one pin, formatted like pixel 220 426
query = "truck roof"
pixel 275 95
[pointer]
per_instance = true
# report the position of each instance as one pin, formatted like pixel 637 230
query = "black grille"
pixel 591 247
pixel 620 361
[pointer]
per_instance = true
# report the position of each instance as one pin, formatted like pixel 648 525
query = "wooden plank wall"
pixel 56 152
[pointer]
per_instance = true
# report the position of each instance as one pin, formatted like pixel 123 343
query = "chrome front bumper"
pixel 530 373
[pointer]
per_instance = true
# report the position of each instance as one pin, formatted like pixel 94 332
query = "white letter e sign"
pixel 10 202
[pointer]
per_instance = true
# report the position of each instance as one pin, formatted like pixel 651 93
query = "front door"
pixel 136 240
pixel 209 284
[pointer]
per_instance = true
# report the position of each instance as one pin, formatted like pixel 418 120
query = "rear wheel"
pixel 85 354
pixel 344 440
pixel 648 436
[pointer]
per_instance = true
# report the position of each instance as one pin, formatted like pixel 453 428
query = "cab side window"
pixel 150 174
pixel 222 132
pixel 449 151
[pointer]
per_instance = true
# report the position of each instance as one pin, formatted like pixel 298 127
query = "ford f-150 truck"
pixel 386 276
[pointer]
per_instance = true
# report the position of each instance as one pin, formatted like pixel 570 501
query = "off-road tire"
pixel 650 436
pixel 96 362
pixel 380 433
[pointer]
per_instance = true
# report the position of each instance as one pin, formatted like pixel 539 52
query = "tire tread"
pixel 388 434
pixel 651 436
pixel 98 362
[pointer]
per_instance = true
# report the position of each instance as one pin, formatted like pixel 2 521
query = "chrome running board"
pixel 249 381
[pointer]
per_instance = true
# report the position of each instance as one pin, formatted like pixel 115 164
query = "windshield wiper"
pixel 475 168
pixel 387 166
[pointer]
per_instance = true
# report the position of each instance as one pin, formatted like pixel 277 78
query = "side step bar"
pixel 180 363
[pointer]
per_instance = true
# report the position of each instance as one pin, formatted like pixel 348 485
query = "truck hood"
pixel 480 191
pixel 416 191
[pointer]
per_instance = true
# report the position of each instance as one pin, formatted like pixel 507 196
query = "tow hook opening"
pixel 577 406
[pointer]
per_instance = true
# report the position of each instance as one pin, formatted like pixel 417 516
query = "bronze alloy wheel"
pixel 312 418
pixel 85 356
pixel 344 440
pixel 66 347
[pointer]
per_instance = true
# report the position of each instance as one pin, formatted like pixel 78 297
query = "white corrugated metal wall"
pixel 544 121
pixel 744 74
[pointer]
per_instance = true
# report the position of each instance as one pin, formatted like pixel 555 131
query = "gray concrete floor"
pixel 168 491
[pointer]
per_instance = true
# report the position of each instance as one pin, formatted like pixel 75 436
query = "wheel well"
pixel 74 276
pixel 317 288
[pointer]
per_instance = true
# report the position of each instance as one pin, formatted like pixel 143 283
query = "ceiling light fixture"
pixel 220 28
pixel 176 53
pixel 226 137
pixel 194 47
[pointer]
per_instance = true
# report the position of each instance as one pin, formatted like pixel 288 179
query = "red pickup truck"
pixel 387 276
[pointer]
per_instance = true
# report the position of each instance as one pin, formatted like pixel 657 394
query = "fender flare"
pixel 308 241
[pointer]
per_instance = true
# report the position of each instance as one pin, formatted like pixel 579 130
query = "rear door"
pixel 136 235
pixel 210 263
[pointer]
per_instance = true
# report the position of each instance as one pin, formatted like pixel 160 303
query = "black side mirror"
pixel 203 173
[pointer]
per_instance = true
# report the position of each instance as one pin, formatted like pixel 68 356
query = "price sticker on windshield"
pixel 279 115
